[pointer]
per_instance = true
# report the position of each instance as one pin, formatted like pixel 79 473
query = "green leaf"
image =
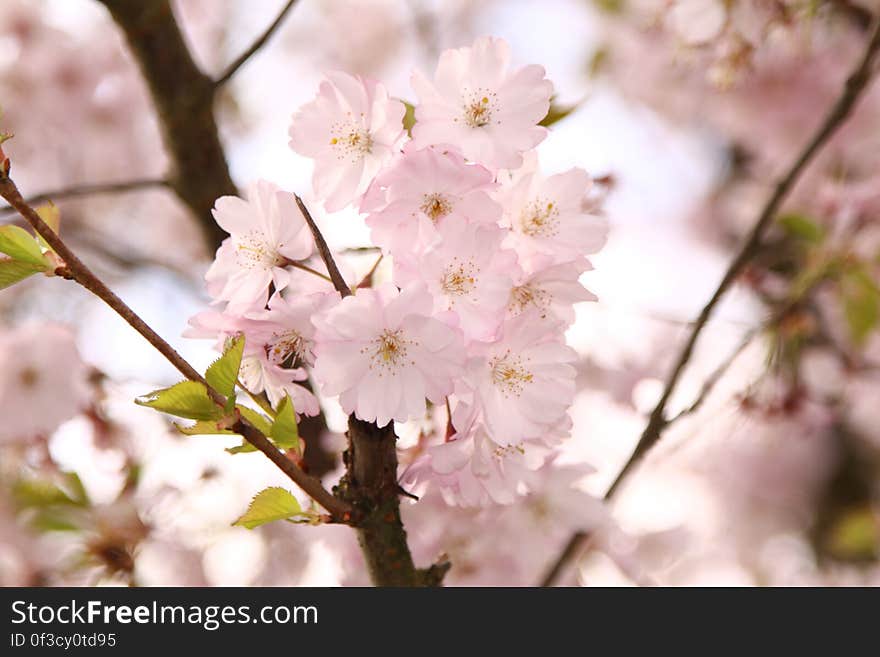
pixel 223 372
pixel 50 214
pixel 20 245
pixel 861 304
pixel 256 418
pixel 409 117
pixel 202 428
pixel 284 431
pixel 40 493
pixel 13 271
pixel 244 448
pixel 556 113
pixel 802 227
pixel 54 520
pixel 269 505
pixel 187 399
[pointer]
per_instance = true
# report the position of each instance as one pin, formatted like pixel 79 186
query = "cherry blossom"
pixel 383 353
pixel 479 105
pixel 266 231
pixel 351 130
pixel 547 214
pixel 523 383
pixel 551 290
pixel 420 190
pixel 468 272
pixel 45 381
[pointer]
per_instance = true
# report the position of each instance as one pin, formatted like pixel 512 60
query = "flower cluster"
pixel 485 254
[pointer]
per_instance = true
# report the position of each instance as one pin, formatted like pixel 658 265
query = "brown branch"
pixel 260 41
pixel 853 89
pixel 75 269
pixel 76 191
pixel 324 251
pixel 370 481
pixel 184 100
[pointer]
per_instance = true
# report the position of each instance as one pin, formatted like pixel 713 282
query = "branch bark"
pixel 853 88
pixel 77 191
pixel 370 480
pixel 184 100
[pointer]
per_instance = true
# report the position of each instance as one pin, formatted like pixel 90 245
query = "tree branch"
pixel 76 270
pixel 75 191
pixel 261 40
pixel 324 251
pixel 184 100
pixel 370 481
pixel 853 89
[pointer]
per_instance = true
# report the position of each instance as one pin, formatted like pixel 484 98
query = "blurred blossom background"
pixel 686 110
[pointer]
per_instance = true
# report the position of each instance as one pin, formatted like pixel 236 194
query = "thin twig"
pixel 298 265
pixel 261 40
pixel 75 269
pixel 716 375
pixel 853 89
pixel 76 191
pixel 324 251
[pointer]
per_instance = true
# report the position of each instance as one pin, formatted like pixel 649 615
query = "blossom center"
pixel 254 252
pixel 523 296
pixel 509 375
pixel 351 141
pixel 459 278
pixel 436 206
pixel 540 219
pixel 479 108
pixel 28 377
pixel 286 349
pixel 388 352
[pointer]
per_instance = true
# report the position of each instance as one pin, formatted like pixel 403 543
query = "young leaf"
pixel 13 271
pixel 52 217
pixel 284 431
pixel 187 399
pixel 269 505
pixel 556 113
pixel 223 372
pixel 409 117
pixel 802 227
pixel 256 419
pixel 20 245
pixel 861 304
pixel 244 448
pixel 202 428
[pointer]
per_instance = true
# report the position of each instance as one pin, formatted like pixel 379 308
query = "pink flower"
pixel 472 470
pixel 466 271
pixel 476 104
pixel 278 345
pixel 550 290
pixel 422 189
pixel 383 354
pixel 547 215
pixel 351 130
pixel 523 383
pixel 44 382
pixel 266 231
